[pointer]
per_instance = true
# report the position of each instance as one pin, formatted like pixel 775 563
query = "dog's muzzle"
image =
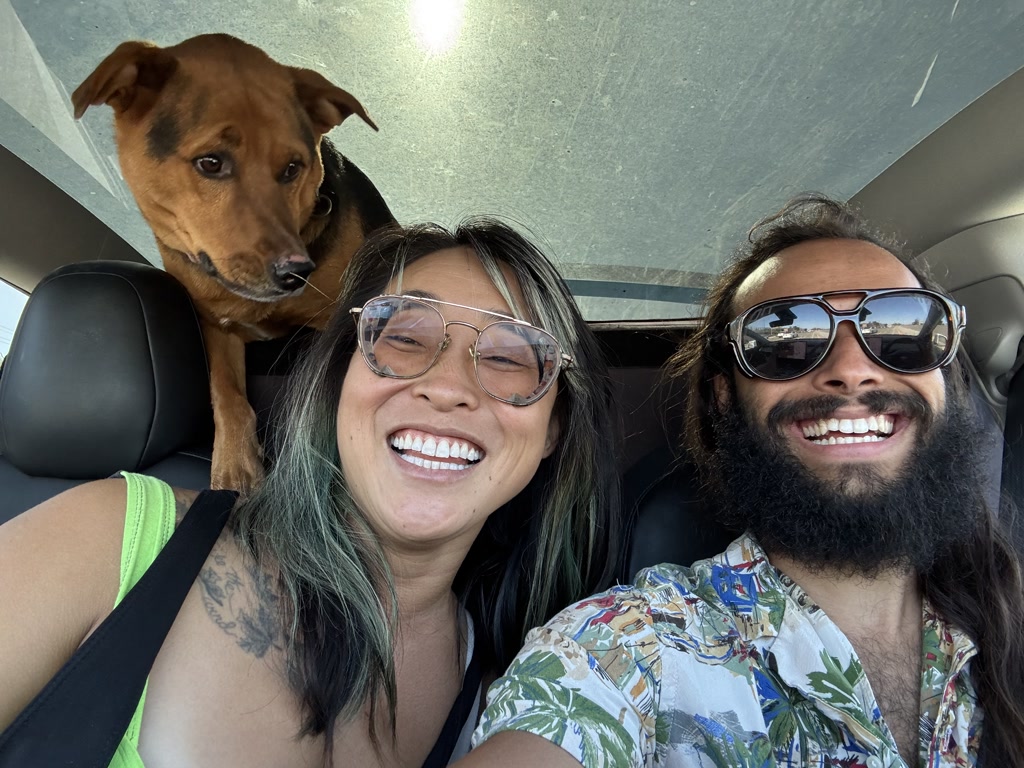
pixel 290 273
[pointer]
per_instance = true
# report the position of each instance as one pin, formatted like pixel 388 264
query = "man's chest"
pixel 895 679
pixel 756 708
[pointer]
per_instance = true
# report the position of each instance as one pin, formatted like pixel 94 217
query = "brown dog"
pixel 253 210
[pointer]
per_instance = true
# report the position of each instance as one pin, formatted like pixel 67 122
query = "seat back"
pixel 669 519
pixel 1013 454
pixel 106 372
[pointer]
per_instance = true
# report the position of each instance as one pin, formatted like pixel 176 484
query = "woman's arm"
pixel 59 576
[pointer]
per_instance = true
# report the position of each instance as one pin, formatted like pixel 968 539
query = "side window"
pixel 12 303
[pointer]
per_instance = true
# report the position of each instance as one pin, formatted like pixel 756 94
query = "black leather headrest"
pixel 670 521
pixel 107 371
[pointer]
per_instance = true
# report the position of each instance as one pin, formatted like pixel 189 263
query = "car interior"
pixel 107 371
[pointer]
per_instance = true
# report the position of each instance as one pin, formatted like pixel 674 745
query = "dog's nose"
pixel 289 273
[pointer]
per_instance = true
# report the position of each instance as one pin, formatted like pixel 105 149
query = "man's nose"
pixel 847 368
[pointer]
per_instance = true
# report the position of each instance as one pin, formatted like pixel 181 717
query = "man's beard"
pixel 859 521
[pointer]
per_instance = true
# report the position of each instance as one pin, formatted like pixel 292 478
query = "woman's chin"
pixel 420 525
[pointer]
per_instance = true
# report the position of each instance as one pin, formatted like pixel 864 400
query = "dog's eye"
pixel 212 166
pixel 291 171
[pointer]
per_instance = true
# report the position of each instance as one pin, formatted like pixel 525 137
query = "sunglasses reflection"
pixel 908 331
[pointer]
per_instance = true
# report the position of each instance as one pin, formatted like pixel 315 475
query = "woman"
pixel 444 479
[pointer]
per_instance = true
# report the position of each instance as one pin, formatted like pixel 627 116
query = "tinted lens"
pixel 516 362
pixel 400 337
pixel 786 339
pixel 909 332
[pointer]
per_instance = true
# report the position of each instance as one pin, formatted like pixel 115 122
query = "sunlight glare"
pixel 436 24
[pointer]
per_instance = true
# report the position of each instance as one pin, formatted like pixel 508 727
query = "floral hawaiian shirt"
pixel 726 663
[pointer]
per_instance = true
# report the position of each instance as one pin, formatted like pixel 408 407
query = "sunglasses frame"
pixel 956 317
pixel 562 360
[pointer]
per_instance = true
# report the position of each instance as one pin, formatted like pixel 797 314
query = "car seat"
pixel 106 372
pixel 1013 456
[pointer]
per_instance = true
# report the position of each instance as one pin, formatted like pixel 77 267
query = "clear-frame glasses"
pixel 402 336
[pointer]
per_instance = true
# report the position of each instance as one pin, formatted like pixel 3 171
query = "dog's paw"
pixel 238 467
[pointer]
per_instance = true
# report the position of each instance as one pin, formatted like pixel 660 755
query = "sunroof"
pixel 638 141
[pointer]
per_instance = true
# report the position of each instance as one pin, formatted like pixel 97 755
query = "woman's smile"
pixel 406 443
pixel 439 452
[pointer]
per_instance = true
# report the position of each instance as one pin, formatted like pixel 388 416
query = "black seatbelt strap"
pixel 82 714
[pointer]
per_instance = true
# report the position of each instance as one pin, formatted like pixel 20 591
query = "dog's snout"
pixel 290 272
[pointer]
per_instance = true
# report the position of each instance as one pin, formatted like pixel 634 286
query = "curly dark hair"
pixel 978 586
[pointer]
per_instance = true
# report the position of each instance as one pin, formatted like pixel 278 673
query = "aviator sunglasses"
pixel 401 337
pixel 905 330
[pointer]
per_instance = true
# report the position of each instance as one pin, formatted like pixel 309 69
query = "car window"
pixel 12 304
pixel 637 140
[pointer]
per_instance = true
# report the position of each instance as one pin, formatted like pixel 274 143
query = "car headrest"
pixel 107 371
pixel 670 520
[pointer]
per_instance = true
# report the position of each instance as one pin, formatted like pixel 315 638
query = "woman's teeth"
pixel 431 450
pixel 427 464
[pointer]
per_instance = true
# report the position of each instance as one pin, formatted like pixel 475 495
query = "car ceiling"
pixel 637 141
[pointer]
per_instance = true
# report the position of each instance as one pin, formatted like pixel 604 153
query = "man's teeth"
pixel 845 440
pixel 439 449
pixel 873 429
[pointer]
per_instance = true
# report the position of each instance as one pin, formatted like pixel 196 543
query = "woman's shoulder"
pixel 59 564
pixel 81 517
pixel 75 539
pixel 99 504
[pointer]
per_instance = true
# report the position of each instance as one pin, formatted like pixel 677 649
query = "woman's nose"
pixel 451 381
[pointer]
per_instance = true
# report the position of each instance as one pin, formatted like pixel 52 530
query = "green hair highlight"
pixel 553 543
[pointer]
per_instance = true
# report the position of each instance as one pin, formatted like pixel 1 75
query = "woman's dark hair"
pixel 552 544
pixel 978 586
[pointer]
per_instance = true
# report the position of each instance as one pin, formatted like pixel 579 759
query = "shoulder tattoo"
pixel 182 501
pixel 244 602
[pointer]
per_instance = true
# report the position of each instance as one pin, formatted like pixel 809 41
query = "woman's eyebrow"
pixel 423 294
pixel 428 295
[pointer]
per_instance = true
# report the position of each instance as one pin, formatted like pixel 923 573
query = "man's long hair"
pixel 978 586
pixel 554 543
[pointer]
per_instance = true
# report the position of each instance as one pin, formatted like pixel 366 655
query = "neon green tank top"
pixel 148 524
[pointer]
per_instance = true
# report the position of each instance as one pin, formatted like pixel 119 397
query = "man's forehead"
pixel 820 266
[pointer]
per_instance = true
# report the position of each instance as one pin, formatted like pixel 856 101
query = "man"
pixel 871 615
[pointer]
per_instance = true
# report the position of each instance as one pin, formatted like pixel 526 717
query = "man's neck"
pixel 885 608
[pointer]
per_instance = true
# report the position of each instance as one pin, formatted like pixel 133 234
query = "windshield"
pixel 637 141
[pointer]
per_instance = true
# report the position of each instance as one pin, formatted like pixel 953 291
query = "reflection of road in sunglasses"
pixel 904 330
pixel 900 347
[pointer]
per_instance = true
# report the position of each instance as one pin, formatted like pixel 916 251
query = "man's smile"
pixel 841 431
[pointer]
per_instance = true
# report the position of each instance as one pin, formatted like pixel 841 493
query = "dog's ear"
pixel 327 104
pixel 134 66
